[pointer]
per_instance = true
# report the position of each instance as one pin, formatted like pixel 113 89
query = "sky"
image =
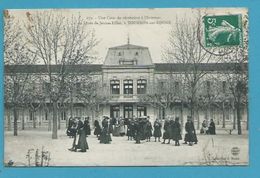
pixel 144 27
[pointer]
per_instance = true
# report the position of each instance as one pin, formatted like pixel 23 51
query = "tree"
pixel 15 53
pixel 34 97
pixel 237 78
pixel 61 41
pixel 90 92
pixel 210 96
pixel 184 48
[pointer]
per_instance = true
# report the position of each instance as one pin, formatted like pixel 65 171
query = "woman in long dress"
pixel 97 130
pixel 148 130
pixel 157 130
pixel 121 127
pixel 176 135
pixel 82 142
pixel 166 130
pixel 190 136
pixel 130 129
pixel 105 132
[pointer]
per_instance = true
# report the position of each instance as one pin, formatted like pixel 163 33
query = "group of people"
pixel 208 129
pixel 137 129
pixel 79 130
pixel 172 131
pixel 141 129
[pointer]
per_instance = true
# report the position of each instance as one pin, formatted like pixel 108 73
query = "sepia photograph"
pixel 126 87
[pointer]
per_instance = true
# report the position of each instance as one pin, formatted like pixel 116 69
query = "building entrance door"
pixel 114 111
pixel 128 111
pixel 141 111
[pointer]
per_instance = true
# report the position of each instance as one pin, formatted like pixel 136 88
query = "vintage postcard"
pixel 126 87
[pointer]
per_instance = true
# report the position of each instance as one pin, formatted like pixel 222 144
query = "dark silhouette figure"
pixel 212 128
pixel 176 135
pixel 157 130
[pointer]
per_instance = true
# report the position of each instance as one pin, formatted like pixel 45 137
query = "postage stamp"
pixel 224 30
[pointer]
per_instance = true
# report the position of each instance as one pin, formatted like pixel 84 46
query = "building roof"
pixel 159 67
pixel 179 67
pixel 128 54
pixel 82 68
pixel 129 46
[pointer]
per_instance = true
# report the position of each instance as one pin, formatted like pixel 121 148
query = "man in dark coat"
pixel 97 130
pixel 176 132
pixel 190 136
pixel 74 130
pixel 82 142
pixel 212 128
pixel 166 128
pixel 69 131
pixel 157 130
pixel 130 129
pixel 87 127
pixel 137 130
pixel 148 130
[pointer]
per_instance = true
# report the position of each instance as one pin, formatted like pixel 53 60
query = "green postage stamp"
pixel 224 30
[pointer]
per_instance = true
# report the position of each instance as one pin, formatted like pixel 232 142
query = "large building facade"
pixel 125 79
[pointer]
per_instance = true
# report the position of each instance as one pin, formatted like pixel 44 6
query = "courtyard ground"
pixel 221 149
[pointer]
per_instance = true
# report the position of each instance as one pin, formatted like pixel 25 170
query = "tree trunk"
pixel 59 117
pixel 22 119
pixel 55 121
pixel 34 118
pixel 234 118
pixel 15 121
pixel 182 119
pixel 71 105
pixel 218 116
pixel 206 114
pixel 239 130
pixel 198 115
pixel 223 115
pixel 66 118
pixel 192 110
pixel 40 117
pixel 49 119
pixel 9 122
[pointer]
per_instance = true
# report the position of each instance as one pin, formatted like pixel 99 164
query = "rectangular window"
pixel 208 86
pixel 128 86
pixel 114 111
pixel 16 88
pixel 63 115
pixel 141 111
pixel 115 87
pixel 161 85
pixel 78 87
pixel 47 87
pixel 128 111
pixel 161 113
pixel 127 62
pixel 78 112
pixel 46 115
pixel 141 86
pixel 224 86
pixel 177 87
